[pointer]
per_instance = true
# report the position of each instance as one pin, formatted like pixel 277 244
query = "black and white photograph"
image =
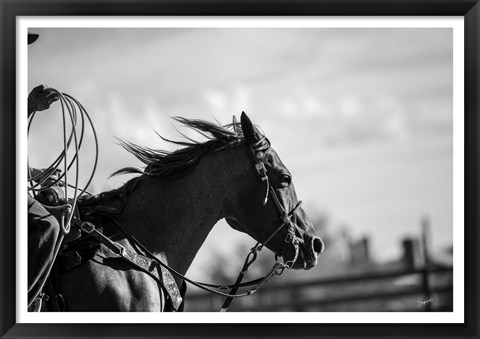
pixel 240 169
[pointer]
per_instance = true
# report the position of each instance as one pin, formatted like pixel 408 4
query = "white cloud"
pixel 216 99
pixel 351 107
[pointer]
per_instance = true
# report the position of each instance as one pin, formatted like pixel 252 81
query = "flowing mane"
pixel 162 163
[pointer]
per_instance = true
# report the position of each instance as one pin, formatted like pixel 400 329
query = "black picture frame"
pixel 11 9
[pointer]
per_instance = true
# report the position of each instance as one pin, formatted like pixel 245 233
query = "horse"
pixel 164 214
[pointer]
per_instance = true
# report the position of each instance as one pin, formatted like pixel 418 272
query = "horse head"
pixel 269 210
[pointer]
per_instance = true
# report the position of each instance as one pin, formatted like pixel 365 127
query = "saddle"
pixel 83 243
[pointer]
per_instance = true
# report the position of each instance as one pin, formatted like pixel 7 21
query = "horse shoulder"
pixel 111 285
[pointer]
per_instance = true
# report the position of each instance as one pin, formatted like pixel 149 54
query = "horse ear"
pixel 236 126
pixel 249 131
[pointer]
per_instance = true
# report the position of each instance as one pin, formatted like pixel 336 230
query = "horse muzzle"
pixel 306 255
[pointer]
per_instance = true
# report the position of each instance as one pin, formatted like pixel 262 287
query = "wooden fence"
pixel 425 289
pixel 418 284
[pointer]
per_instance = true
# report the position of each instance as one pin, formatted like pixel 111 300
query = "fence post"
pixel 426 263
pixel 412 255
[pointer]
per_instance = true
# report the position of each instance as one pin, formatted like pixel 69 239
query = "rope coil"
pixel 41 180
pixel 56 175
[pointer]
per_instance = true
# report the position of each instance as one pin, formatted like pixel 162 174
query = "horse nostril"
pixel 317 246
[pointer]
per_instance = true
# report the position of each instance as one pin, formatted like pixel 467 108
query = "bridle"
pixel 257 150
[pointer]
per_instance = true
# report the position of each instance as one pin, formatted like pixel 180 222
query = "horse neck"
pixel 172 218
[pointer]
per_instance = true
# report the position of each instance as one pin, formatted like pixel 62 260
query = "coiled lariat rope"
pixel 42 180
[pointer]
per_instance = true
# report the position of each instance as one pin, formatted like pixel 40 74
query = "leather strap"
pixel 147 265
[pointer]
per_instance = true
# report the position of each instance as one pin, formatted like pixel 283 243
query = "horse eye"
pixel 286 180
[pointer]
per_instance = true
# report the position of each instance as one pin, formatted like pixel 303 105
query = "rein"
pixel 276 270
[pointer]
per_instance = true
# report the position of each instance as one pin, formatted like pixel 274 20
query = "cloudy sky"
pixel 361 117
